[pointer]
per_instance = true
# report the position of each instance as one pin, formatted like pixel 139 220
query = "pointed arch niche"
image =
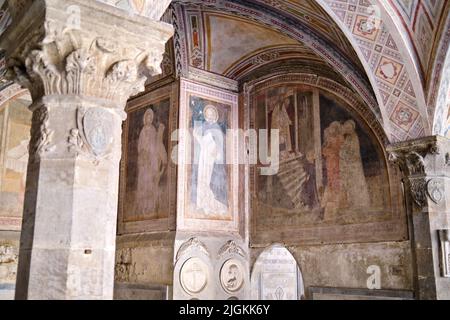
pixel 276 276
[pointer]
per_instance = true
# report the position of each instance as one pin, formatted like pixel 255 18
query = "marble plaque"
pixel 232 276
pixel 194 276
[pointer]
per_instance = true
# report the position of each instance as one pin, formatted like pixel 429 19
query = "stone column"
pixel 425 165
pixel 81 61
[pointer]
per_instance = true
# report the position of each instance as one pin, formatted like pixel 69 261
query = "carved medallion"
pixel 194 276
pixel 232 276
pixel 435 190
pixel 98 130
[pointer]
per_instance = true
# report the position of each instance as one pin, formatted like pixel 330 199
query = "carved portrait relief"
pixel 232 275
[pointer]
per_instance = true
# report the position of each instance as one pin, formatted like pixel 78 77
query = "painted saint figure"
pixel 355 192
pixel 282 122
pixel 211 144
pixel 152 162
pixel 331 152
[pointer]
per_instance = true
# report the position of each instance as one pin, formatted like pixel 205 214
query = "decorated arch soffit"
pixel 389 64
pixel 401 57
pixel 243 29
pixel 426 26
pixel 387 59
pixel 422 21
pixel 439 88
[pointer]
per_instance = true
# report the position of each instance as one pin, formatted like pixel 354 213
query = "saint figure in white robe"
pixel 211 147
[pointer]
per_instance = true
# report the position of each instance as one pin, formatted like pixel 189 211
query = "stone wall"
pixel 145 259
pixel 346 266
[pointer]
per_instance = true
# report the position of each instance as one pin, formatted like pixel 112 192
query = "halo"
pixel 147 113
pixel 207 109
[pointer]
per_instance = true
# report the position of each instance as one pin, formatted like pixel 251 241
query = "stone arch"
pixel 11 92
pixel 389 63
pixel 289 26
pixel 399 86
pixel 442 107
pixel 439 91
pixel 282 280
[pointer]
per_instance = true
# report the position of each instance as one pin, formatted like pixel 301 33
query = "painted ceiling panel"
pixel 423 20
pixel 312 14
pixel 230 39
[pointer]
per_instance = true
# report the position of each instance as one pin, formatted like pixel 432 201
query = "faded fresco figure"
pixel 282 122
pixel 354 189
pixel 310 196
pixel 333 140
pixel 152 162
pixel 211 145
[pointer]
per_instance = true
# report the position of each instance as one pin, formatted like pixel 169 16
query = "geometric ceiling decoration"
pixel 397 64
pixel 422 21
pixel 392 71
pixel 312 14
pixel 194 19
pixel 438 86
pixel 440 94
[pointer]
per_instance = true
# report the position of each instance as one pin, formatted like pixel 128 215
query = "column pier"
pixel 425 165
pixel 81 61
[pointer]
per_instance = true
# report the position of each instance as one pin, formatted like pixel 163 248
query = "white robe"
pixel 209 154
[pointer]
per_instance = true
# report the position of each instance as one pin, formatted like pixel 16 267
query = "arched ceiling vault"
pixel 389 64
pixel 404 58
pixel 439 84
pixel 397 57
pixel 193 17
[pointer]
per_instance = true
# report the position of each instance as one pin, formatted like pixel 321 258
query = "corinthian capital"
pixel 422 157
pixel 83 47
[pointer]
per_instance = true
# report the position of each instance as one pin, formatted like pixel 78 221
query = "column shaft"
pixel 81 61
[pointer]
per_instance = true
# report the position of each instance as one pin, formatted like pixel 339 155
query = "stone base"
pixel 126 291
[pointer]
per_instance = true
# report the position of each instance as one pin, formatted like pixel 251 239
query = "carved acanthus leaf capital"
pixel 424 164
pixel 420 157
pixel 103 54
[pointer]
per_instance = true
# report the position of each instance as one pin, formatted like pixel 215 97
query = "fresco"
pixel 146 194
pixel 210 176
pixel 208 173
pixel 331 171
pixel 15 122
